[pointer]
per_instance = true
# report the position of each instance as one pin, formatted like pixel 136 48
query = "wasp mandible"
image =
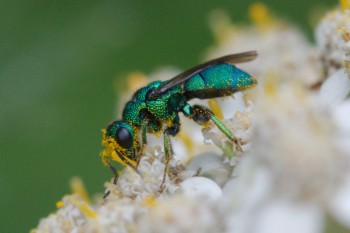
pixel 155 109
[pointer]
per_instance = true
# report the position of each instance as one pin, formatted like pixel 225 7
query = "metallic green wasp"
pixel 155 109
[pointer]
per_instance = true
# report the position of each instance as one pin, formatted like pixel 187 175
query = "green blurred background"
pixel 59 60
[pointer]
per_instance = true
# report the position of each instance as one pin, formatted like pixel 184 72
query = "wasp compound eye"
pixel 124 138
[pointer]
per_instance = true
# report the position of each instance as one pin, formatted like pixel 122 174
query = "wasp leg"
pixel 115 180
pixel 202 115
pixel 143 142
pixel 127 161
pixel 168 151
pixel 168 155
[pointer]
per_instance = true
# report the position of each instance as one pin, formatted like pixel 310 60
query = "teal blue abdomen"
pixel 219 80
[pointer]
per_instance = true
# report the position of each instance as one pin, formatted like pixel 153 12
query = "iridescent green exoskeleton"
pixel 155 108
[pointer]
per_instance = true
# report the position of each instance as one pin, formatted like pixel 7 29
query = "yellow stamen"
pixel 188 141
pixel 77 186
pixel 215 108
pixel 260 15
pixel 347 64
pixel 220 24
pixel 149 201
pixel 59 204
pixel 84 208
pixel 270 86
pixel 136 80
pixel 344 4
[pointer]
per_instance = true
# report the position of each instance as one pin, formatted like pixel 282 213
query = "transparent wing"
pixel 179 79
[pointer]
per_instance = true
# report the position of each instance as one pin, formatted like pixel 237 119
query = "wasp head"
pixel 118 140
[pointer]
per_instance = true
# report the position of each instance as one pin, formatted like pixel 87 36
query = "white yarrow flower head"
pixel 293 173
pixel 332 37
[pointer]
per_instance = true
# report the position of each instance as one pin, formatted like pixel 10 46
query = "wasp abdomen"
pixel 216 81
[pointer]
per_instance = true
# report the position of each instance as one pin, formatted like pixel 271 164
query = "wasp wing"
pixel 181 78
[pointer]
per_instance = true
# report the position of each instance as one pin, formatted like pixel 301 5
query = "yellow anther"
pixel 215 108
pixel 59 204
pixel 260 15
pixel 77 186
pixel 344 4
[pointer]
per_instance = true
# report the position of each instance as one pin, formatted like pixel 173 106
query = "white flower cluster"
pixel 332 37
pixel 293 175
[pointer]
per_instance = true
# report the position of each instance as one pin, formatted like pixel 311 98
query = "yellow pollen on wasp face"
pixel 260 15
pixel 110 151
pixel 77 186
pixel 215 108
pixel 344 4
